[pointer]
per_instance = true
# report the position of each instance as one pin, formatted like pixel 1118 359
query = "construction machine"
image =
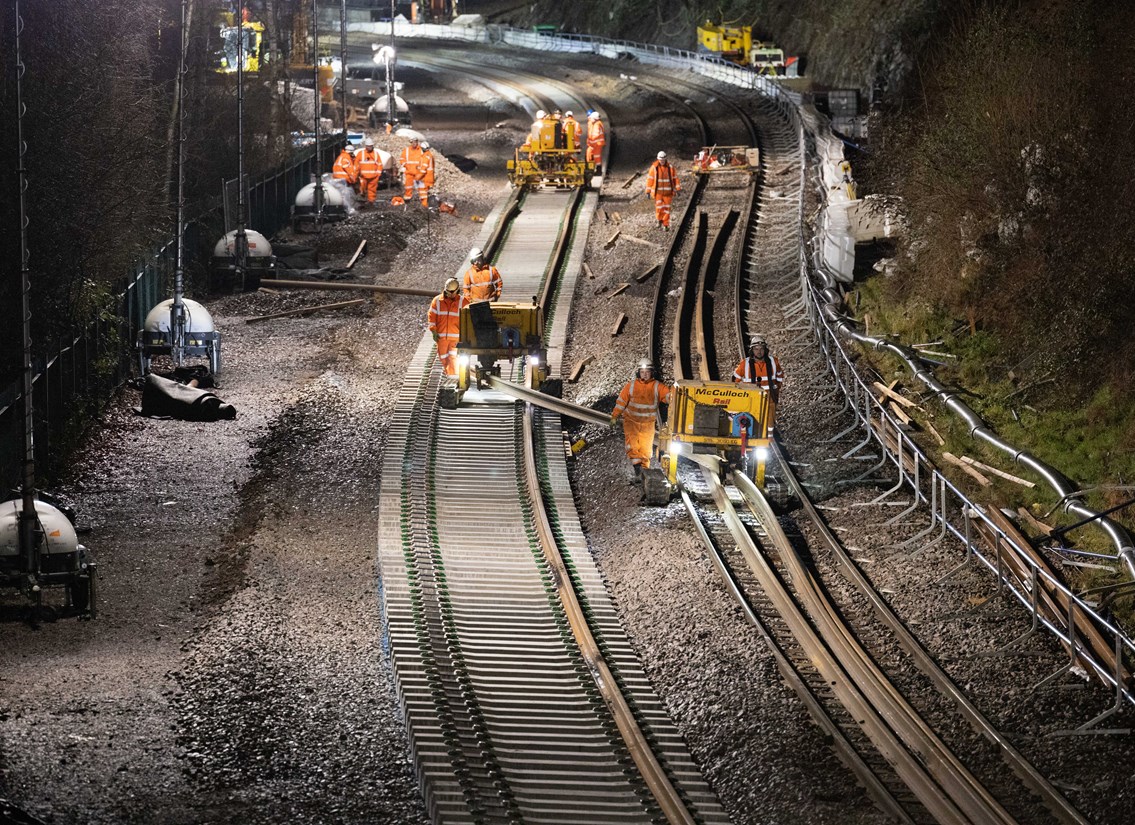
pixel 728 420
pixel 548 159
pixel 495 331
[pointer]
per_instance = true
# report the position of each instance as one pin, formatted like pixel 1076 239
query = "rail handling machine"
pixel 711 160
pixel 550 158
pixel 495 331
pixel 722 418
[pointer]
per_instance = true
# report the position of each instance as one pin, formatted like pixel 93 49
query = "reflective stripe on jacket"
pixel 596 136
pixel 426 169
pixel 639 400
pixel 755 371
pixel 345 168
pixel 445 315
pixel 367 164
pixel 411 160
pixel 482 284
pixel 662 182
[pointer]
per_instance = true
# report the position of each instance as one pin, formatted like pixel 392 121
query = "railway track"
pixel 523 699
pixel 895 754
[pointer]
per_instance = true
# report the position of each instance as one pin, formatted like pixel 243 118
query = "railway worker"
pixel 638 407
pixel 761 367
pixel 411 163
pixel 346 167
pixel 368 170
pixel 596 140
pixel 428 170
pixel 482 279
pixel 571 132
pixel 661 184
pixel 444 324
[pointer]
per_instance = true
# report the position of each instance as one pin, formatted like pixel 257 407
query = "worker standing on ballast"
pixel 411 163
pixel 638 407
pixel 346 167
pixel 761 368
pixel 661 184
pixel 596 140
pixel 445 324
pixel 368 170
pixel 482 279
pixel 571 132
pixel 428 170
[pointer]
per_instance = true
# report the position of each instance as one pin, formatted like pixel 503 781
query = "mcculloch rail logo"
pixel 721 394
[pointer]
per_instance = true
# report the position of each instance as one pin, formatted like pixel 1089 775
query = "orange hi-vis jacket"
pixel 639 401
pixel 426 167
pixel 596 136
pixel 662 181
pixel 411 163
pixel 756 371
pixel 368 165
pixel 445 316
pixel 571 134
pixel 345 167
pixel 482 284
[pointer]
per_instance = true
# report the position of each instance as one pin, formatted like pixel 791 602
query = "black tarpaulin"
pixel 163 398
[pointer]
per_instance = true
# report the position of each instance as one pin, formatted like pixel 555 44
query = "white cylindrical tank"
pixel 59 535
pixel 258 246
pixel 332 198
pixel 199 319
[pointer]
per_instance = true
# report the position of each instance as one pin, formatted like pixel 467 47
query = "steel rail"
pixel 682 331
pixel 1052 798
pixel 965 792
pixel 647 763
pixel 791 675
pixel 703 307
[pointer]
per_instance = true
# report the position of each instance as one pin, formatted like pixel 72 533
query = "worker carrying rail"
pixel 445 324
pixel 638 407
pixel 482 279
pixel 661 184
pixel 761 368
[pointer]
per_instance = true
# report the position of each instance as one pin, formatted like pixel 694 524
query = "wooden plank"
pixel 618 327
pixel 577 370
pixel 953 459
pixel 631 180
pixel 306 310
pixel 894 396
pixel 642 242
pixel 648 273
pixel 934 432
pixel 359 253
pixel 614 237
pixel 587 271
pixel 616 217
pixel 996 472
pixel 1034 522
pixel 900 414
pixel 621 289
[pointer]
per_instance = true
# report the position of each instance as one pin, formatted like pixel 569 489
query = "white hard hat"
pixel 451 286
pixel 569 113
pixel 662 156
pixel 757 338
pixel 368 143
pixel 425 144
pixel 541 114
pixel 593 115
pixel 646 364
pixel 475 253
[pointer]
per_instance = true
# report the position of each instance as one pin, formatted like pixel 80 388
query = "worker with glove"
pixel 761 368
pixel 346 168
pixel 596 140
pixel 412 172
pixel 445 324
pixel 638 407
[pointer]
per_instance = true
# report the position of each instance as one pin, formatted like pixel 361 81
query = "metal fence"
pixel 71 385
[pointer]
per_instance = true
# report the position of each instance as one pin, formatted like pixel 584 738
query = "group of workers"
pixel 640 398
pixel 363 169
pixel 560 130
